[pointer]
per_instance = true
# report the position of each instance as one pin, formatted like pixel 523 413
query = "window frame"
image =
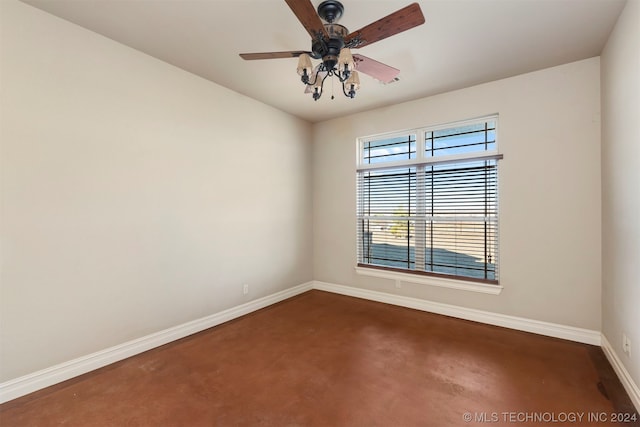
pixel 423 160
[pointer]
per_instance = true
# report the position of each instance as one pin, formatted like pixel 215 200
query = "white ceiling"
pixel 462 43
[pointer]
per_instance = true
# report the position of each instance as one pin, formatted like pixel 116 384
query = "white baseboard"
pixel 629 385
pixel 571 333
pixel 26 384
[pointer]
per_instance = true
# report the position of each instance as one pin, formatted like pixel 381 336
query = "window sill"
pixel 431 281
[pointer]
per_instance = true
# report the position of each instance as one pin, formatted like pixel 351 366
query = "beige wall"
pixel 129 193
pixel 549 133
pixel 135 196
pixel 621 187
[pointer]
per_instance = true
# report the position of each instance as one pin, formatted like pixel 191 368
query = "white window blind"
pixel 428 201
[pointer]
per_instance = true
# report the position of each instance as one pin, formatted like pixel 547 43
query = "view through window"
pixel 428 201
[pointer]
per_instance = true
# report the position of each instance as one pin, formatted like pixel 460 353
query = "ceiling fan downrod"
pixel 330 10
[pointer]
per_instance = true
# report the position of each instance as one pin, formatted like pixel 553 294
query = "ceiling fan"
pixel 332 43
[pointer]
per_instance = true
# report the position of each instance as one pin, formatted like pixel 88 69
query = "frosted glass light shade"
pixel 304 64
pixel 353 81
pixel 346 58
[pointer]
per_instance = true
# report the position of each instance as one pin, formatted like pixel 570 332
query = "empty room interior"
pixel 319 213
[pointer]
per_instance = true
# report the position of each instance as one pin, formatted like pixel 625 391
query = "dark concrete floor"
pixel 321 359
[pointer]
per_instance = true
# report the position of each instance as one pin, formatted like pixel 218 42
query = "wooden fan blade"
pixel 273 55
pixel 399 21
pixel 375 69
pixel 308 17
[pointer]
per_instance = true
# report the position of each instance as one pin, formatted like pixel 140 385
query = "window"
pixel 428 201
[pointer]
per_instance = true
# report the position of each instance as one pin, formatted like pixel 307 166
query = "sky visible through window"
pixel 456 213
pixel 446 142
pixel 468 139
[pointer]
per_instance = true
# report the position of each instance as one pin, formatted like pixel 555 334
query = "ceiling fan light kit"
pixel 332 44
pixel 344 72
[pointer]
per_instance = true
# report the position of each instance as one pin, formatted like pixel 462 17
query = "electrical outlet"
pixel 626 344
pixel 245 289
pixel 398 284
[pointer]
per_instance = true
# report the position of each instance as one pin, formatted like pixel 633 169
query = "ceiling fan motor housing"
pixel 329 50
